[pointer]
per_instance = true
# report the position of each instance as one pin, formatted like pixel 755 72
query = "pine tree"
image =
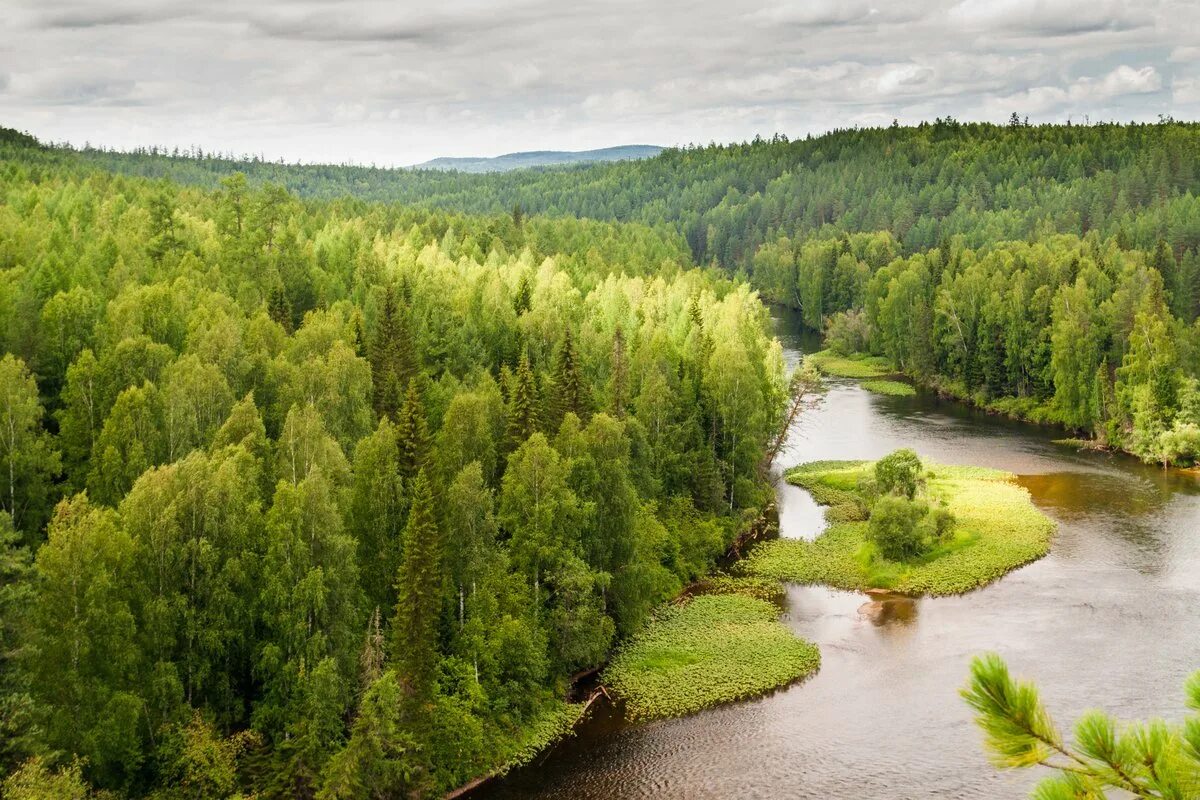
pixel 418 585
pixel 412 434
pixel 524 296
pixel 393 363
pixel 618 383
pixel 1145 760
pixel 569 388
pixel 279 307
pixel 382 355
pixel 522 404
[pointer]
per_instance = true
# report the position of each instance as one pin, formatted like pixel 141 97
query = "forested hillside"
pixel 331 498
pixel 306 492
pixel 1050 272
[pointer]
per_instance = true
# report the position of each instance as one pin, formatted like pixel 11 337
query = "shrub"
pixel 899 473
pixel 895 527
pixel 937 527
pixel 847 332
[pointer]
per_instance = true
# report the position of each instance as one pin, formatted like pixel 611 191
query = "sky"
pixel 401 81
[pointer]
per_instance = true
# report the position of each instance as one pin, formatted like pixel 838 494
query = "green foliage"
pixel 894 527
pixel 418 585
pixel 855 365
pixel 890 388
pixel 899 473
pixel 996 529
pixel 1151 759
pixel 714 649
pixel 35 780
pixel 28 459
pixel 847 333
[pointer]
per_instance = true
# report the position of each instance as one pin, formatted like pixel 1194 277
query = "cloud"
pixel 1050 17
pixel 1087 94
pixel 1186 91
pixel 377 80
pixel 1125 80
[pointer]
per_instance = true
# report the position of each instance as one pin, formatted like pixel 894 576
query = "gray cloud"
pixel 386 82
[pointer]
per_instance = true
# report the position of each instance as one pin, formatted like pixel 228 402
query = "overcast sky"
pixel 401 81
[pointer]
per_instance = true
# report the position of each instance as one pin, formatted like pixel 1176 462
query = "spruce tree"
pixel 418 586
pixel 570 390
pixel 412 434
pixel 382 355
pixel 618 383
pixel 522 404
pixel 280 308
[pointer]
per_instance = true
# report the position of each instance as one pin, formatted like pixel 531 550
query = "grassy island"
pixel 978 526
pixel 892 388
pixel 712 649
pixel 856 365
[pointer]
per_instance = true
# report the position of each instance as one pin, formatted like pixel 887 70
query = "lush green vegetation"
pixel 891 388
pixel 1152 759
pixel 328 498
pixel 856 365
pixel 1047 272
pixel 759 588
pixel 995 529
pixel 712 649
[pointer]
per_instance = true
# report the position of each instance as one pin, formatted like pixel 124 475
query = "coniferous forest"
pixel 326 481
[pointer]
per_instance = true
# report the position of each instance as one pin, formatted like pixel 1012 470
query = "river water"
pixel 1111 618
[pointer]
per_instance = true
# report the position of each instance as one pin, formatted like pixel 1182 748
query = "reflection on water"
pixel 1109 616
pixel 885 608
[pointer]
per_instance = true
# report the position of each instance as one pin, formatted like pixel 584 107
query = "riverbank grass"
pixel 997 529
pixel 715 648
pixel 856 365
pixel 890 388
pixel 556 722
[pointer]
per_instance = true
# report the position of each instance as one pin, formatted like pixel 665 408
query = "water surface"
pixel 1112 615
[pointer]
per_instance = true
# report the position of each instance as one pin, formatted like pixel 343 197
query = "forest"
pixel 324 481
pixel 1025 251
pixel 308 498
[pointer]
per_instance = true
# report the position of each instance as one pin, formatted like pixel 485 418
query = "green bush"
pixel 895 527
pixel 847 332
pixel 899 473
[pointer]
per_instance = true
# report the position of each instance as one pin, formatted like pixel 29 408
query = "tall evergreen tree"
pixel 419 587
pixel 618 382
pixel 570 392
pixel 412 434
pixel 524 411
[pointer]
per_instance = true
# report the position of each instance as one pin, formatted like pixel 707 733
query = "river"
pixel 1110 618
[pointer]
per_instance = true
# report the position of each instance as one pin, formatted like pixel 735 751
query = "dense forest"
pixel 1050 272
pixel 332 498
pixel 325 480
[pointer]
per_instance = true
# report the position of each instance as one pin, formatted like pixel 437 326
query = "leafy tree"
pixel 310 605
pixel 16 598
pixel 895 529
pixel 28 460
pixel 899 473
pixel 87 677
pixel 377 511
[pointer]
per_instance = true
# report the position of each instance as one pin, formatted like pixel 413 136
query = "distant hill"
pixel 542 158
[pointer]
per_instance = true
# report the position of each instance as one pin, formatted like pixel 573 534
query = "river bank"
pixel 1118 583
